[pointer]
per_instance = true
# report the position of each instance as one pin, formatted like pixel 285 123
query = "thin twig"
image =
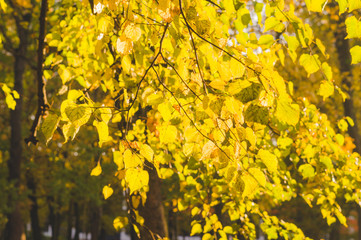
pixel 190 119
pixel 180 77
pixel 194 47
pixel 145 74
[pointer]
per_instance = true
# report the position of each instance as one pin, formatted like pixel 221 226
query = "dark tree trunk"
pixel 54 219
pixel 15 225
pixel 70 221
pixel 172 224
pixel 35 227
pixel 95 222
pixel 153 211
pixel 77 221
pixel 344 58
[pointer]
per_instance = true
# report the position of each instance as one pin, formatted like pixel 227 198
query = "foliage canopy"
pixel 195 89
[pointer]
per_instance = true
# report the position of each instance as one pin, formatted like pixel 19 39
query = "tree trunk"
pixel 95 224
pixel 344 58
pixel 153 211
pixel 54 219
pixel 15 225
pixel 35 227
pixel 77 221
pixel 70 221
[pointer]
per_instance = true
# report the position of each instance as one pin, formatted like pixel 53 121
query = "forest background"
pixel 167 118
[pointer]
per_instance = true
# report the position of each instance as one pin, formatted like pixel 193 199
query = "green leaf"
pixel 356 54
pixel 310 63
pixel 49 126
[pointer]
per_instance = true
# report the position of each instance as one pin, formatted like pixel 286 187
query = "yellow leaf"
pixel 253 179
pixel 167 134
pixel 250 136
pixel 131 160
pixel 166 110
pixel 218 84
pixel 164 10
pixel 208 149
pixel 327 70
pixel 356 54
pixel 118 159
pixel 310 63
pixel 196 229
pixel 287 112
pixel 97 170
pixel 133 32
pixel 315 5
pixel 120 222
pixel 126 64
pixel 103 132
pixel 136 179
pixel 326 89
pixel 124 45
pixel 147 152
pixel 353 27
pixel 107 192
pixel 269 159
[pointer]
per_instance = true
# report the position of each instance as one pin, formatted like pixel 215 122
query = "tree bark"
pixel 15 225
pixel 153 211
pixel 35 227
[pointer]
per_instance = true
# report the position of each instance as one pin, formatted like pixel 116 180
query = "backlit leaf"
pixel 310 63
pixel 136 179
pixel 147 152
pixel 107 192
pixel 287 112
pixel 356 54
pixel 196 229
pixel 269 159
pixel 97 170
pixel 326 89
pixel 353 27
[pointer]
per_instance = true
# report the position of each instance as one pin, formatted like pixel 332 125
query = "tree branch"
pixel 42 100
